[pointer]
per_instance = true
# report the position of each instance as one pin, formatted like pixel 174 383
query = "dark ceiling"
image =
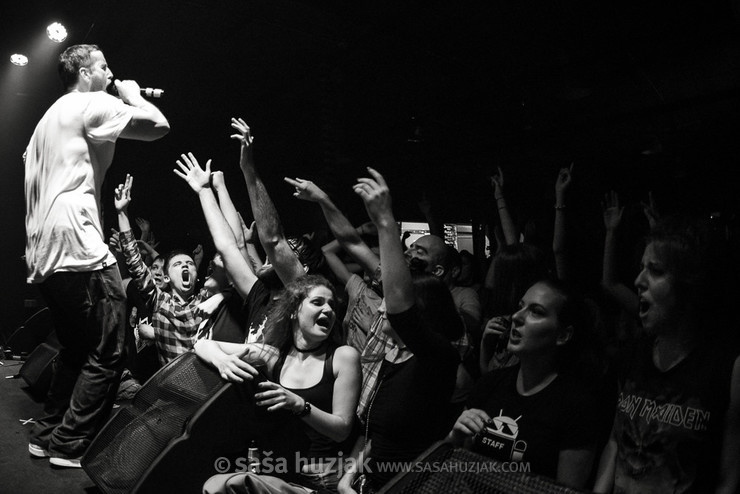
pixel 640 95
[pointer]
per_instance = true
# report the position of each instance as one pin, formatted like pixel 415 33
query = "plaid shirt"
pixel 175 322
pixel 378 347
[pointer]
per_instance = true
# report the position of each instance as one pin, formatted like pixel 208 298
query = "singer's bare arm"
pixel 148 123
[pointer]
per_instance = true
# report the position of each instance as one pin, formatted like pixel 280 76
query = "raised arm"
pixel 134 262
pixel 238 268
pixel 121 201
pixel 340 270
pixel 565 175
pixel 229 210
pixel 151 251
pixel 511 236
pixel 622 294
pixel 435 227
pixel 147 123
pixel 650 210
pixel 398 288
pixel 341 228
pixel 286 263
pixel 146 230
pixel 248 235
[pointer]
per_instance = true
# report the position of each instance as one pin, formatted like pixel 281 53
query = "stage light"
pixel 18 59
pixel 57 33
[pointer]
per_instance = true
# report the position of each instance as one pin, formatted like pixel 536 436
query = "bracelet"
pixel 305 411
pixel 560 207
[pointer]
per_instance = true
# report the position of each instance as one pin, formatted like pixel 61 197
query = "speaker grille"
pixel 133 439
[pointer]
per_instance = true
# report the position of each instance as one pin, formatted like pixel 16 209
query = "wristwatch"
pixel 306 409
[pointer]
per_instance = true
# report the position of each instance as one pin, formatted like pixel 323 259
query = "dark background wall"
pixel 640 95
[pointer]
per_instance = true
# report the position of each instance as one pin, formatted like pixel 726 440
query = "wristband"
pixel 305 411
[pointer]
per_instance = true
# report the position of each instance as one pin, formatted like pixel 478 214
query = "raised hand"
pixel 244 135
pixel 306 190
pixel 650 211
pixel 198 254
pixel 565 176
pixel 122 194
pixel 376 195
pixel 247 231
pixel 144 225
pixel 611 210
pixel 497 182
pixel 190 171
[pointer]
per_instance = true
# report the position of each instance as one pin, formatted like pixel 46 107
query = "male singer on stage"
pixel 66 252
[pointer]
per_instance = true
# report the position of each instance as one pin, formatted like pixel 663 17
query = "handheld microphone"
pixel 149 92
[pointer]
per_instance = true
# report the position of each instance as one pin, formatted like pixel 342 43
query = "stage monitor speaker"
pixel 443 468
pixel 167 440
pixel 37 370
pixel 37 329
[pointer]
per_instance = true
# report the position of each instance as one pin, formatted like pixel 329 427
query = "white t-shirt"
pixel 66 160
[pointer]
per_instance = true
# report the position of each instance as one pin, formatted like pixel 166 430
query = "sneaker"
pixel 65 462
pixel 37 451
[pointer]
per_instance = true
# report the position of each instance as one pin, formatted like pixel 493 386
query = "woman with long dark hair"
pixel 309 375
pixel 513 269
pixel 677 422
pixel 541 410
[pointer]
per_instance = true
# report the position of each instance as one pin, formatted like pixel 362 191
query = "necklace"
pixel 308 350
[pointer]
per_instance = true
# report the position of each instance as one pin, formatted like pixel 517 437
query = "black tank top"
pixel 320 396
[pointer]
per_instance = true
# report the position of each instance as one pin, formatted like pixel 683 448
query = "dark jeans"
pixel 89 314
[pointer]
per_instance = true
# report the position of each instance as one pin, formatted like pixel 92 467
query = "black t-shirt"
pixel 669 425
pixel 533 428
pixel 257 306
pixel 408 412
pixel 229 323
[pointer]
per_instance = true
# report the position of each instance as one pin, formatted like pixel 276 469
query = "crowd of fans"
pixel 373 349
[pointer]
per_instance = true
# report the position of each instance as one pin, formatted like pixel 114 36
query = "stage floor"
pixel 19 473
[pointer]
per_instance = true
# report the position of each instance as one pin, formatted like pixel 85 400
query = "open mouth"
pixel 514 335
pixel 643 307
pixel 186 279
pixel 324 322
